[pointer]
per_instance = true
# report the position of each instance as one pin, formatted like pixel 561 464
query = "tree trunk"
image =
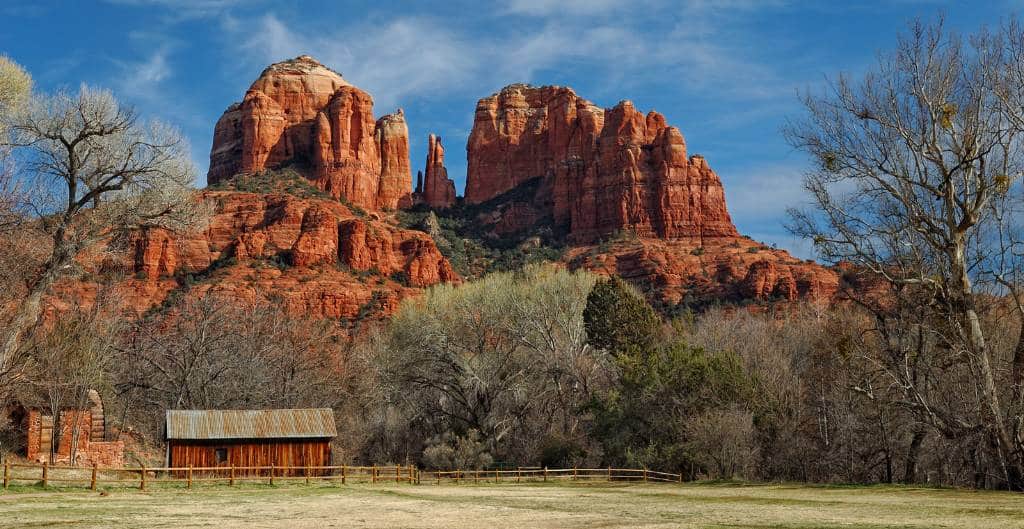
pixel 913 452
pixel 30 309
pixel 24 319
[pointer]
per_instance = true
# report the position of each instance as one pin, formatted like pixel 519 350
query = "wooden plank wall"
pixel 252 452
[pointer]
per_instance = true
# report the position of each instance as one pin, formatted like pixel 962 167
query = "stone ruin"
pixel 85 445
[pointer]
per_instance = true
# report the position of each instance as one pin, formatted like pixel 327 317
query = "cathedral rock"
pixel 302 115
pixel 600 170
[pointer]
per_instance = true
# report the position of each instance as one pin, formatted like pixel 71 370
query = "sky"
pixel 727 73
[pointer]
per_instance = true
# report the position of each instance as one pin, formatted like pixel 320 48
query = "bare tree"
pixel 915 165
pixel 215 353
pixel 68 359
pixel 89 172
pixel 505 356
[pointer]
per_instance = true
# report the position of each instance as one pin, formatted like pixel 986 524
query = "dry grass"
pixel 534 506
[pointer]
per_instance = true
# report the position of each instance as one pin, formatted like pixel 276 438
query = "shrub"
pixel 448 451
pixel 400 277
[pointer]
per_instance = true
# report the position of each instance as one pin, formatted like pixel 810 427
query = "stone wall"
pixel 87 452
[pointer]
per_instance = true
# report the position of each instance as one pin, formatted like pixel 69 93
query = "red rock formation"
pixel 301 114
pixel 720 270
pixel 395 171
pixel 604 170
pixel 310 255
pixel 438 191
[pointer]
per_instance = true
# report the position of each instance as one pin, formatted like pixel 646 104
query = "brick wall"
pixel 68 418
pixel 103 453
pixel 34 427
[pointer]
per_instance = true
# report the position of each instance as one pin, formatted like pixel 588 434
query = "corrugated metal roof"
pixel 250 424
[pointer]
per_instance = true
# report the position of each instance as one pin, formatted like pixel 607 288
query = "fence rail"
pixel 144 478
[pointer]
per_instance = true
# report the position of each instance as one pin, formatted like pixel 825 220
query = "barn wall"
pixel 251 453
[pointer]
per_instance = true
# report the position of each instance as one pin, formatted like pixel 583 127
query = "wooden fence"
pixel 145 478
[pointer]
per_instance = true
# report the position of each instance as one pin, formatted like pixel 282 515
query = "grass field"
pixel 534 506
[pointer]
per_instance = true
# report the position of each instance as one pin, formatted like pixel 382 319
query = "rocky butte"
pixel 600 170
pixel 301 114
pixel 620 185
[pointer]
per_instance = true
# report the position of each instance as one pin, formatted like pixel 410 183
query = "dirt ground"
pixel 534 506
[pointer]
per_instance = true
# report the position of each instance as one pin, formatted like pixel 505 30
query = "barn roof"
pixel 250 424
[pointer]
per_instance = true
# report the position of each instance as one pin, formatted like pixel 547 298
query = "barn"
pixel 250 438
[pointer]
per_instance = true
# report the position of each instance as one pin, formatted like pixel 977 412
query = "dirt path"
pixel 524 506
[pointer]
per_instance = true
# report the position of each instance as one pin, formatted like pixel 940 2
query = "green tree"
pixel 618 318
pixel 643 422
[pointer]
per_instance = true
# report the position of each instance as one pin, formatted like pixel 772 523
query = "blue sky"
pixel 725 72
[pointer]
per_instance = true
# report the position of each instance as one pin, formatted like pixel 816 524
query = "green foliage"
pixel 643 421
pixel 618 318
pixel 284 180
pixel 287 179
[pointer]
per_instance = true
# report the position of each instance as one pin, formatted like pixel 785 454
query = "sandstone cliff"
pixel 301 114
pixel 315 257
pixel 600 170
pixel 681 273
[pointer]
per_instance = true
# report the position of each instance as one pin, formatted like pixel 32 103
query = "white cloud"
pixel 143 79
pixel 553 7
pixel 416 56
pixel 759 192
pixel 405 57
pixel 184 9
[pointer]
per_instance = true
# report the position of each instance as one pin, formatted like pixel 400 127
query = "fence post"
pixel 437 477
pixel 373 474
pixel 7 474
pixel 231 476
pixel 680 476
pixel 609 473
pixel 476 476
pixel 398 473
pixel 545 474
pixel 645 474
pixel 46 473
pixel 189 486
pixel 497 477
pixel 519 474
pixel 575 474
pixel 343 474
pixel 142 480
pixel 92 479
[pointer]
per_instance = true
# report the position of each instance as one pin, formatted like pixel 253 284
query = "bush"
pixel 400 277
pixel 450 452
